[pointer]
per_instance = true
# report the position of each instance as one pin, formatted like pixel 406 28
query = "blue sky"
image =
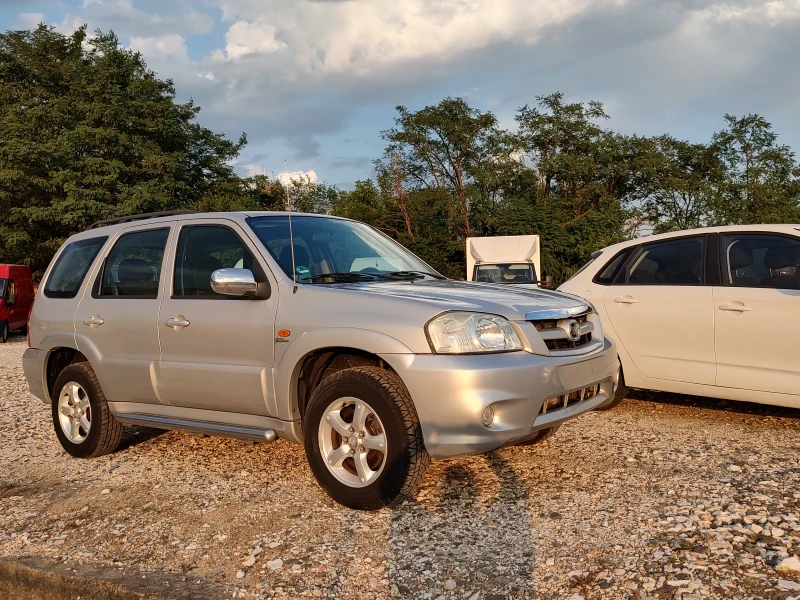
pixel 313 82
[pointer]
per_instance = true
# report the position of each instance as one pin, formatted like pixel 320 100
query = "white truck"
pixel 513 259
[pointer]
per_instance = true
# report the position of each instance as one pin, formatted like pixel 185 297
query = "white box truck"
pixel 512 259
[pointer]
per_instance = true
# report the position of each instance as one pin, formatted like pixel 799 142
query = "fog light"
pixel 488 416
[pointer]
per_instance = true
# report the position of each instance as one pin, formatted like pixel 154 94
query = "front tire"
pixel 4 332
pixel 363 439
pixel 83 423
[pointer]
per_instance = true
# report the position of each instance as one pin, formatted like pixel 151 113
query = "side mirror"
pixel 12 300
pixel 546 282
pixel 238 282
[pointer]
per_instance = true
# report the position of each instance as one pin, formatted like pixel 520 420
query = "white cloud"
pixel 29 20
pixel 287 177
pixel 157 49
pixel 251 38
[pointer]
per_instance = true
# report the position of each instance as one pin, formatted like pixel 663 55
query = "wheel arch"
pixel 316 355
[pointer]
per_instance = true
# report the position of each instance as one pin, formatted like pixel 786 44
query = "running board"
pixel 250 434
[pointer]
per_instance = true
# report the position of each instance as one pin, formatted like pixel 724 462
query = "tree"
pixel 762 178
pixel 88 132
pixel 682 187
pixel 441 147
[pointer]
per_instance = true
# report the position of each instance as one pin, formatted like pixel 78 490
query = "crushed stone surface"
pixel 665 497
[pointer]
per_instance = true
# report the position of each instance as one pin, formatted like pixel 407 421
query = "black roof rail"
pixel 142 217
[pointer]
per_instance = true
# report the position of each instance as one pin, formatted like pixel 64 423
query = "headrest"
pixel 780 257
pixel 301 258
pixel 739 257
pixel 134 270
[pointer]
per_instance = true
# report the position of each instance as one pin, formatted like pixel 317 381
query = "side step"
pixel 250 434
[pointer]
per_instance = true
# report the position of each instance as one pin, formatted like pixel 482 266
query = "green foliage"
pixel 88 133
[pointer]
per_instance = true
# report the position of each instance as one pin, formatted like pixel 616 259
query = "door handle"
pixel 94 321
pixel 177 323
pixel 735 307
pixel 625 300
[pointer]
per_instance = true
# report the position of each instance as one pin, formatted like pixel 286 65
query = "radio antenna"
pixel 291 234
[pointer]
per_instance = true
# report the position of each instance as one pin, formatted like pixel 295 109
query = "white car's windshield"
pixel 327 250
pixel 505 273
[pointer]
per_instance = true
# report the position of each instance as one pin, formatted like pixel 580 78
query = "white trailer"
pixel 513 259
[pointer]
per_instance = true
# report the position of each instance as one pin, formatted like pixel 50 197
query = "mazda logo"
pixel 574 330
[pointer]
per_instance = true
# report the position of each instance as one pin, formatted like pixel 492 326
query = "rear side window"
pixel 133 267
pixel 671 262
pixel 71 266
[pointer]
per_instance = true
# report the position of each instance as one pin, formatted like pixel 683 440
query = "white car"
pixel 711 312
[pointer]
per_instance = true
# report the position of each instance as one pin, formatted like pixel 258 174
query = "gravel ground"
pixel 664 497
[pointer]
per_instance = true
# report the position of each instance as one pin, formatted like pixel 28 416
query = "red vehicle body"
pixel 16 298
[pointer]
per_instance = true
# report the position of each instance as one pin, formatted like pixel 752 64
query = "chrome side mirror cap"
pixel 234 282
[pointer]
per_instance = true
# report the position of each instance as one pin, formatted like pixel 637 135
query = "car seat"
pixel 200 275
pixel 301 258
pixel 136 278
pixel 781 258
pixel 740 257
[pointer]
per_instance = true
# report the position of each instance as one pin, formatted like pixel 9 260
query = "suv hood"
pixel 496 299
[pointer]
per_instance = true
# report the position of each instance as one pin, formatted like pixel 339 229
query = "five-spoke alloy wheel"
pixel 363 439
pixel 83 423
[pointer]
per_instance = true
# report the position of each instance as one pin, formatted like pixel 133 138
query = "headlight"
pixel 465 332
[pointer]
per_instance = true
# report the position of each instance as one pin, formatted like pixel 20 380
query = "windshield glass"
pixel 324 246
pixel 505 273
pixel 3 288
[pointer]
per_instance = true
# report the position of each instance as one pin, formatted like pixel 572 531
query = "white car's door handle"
pixel 625 300
pixel 94 321
pixel 735 307
pixel 177 323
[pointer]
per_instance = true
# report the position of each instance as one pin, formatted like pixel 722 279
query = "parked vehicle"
pixel 712 312
pixel 512 259
pixel 255 326
pixel 16 297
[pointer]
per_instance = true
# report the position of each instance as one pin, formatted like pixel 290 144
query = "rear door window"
pixel 671 262
pixel 133 267
pixel 71 267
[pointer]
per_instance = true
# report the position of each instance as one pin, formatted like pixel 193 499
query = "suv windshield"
pixel 505 273
pixel 330 250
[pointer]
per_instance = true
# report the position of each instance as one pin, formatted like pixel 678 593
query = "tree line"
pixel 88 132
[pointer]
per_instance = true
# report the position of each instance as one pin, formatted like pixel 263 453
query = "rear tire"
pixel 3 332
pixel 78 400
pixel 23 330
pixel 619 395
pixel 363 439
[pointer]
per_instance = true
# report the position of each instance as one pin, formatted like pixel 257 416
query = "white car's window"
pixel 671 262
pixel 761 260
pixel 133 267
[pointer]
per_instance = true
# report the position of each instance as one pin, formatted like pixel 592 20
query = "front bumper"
pixel 450 394
pixel 33 369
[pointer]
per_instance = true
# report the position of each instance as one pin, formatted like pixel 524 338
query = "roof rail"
pixel 142 217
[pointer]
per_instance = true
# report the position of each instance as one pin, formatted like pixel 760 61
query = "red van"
pixel 16 298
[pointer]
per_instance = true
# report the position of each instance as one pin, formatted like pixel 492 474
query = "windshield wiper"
pixel 416 274
pixel 343 276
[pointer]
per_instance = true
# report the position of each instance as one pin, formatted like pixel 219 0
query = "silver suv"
pixel 316 329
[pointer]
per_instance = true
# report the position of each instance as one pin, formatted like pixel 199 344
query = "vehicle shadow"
pixel 468 529
pixel 135 435
pixel 735 406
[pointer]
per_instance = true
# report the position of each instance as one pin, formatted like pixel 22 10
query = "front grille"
pixel 567 344
pixel 558 402
pixel 556 337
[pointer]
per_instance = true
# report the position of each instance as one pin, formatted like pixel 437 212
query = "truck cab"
pixel 16 298
pixel 510 259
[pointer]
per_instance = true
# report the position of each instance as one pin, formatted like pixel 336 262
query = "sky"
pixel 314 82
